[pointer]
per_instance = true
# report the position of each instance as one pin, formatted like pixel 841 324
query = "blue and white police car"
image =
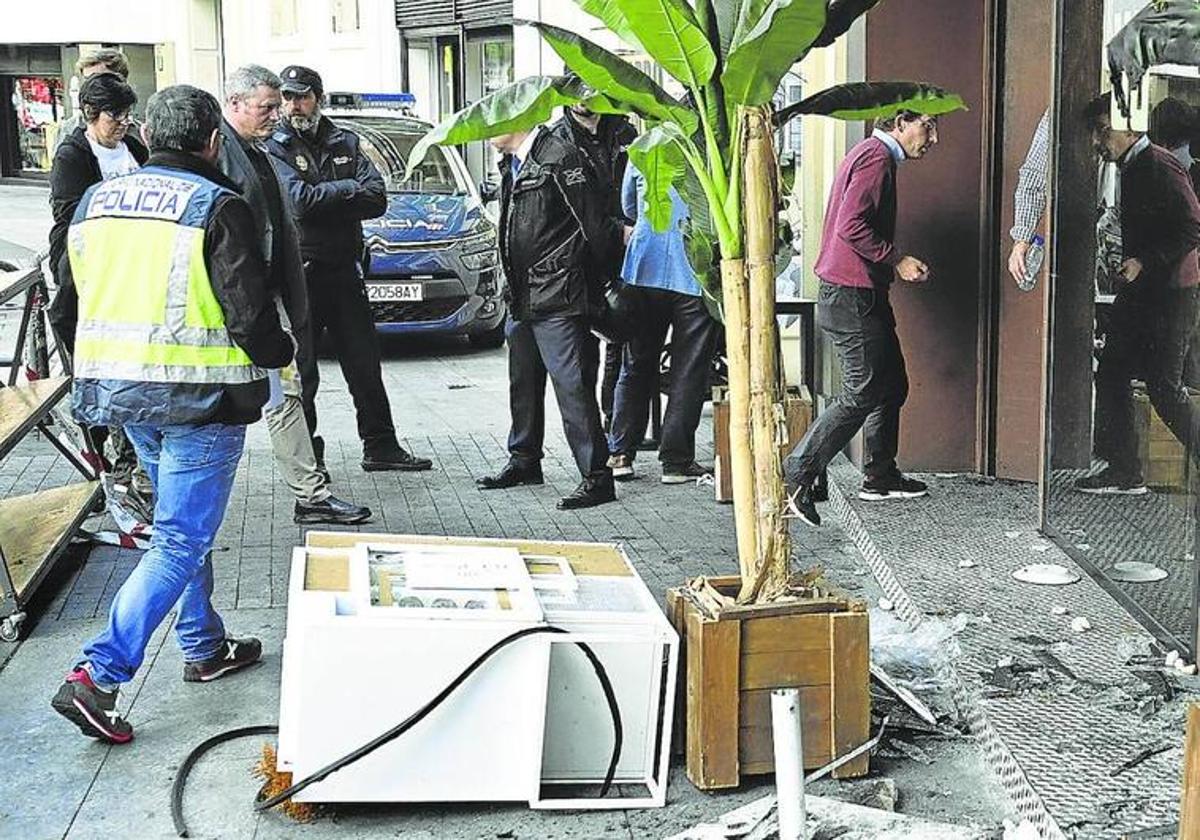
pixel 431 262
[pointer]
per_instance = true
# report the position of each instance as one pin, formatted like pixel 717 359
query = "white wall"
pixel 367 60
pixel 111 21
pixel 531 56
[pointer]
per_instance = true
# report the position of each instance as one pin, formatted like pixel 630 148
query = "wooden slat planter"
pixel 733 657
pixel 798 407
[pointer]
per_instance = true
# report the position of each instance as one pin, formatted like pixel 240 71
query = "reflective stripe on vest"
pixel 147 311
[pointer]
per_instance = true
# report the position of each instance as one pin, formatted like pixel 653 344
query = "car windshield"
pixel 388 145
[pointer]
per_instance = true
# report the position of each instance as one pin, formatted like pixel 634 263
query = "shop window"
pixel 497 65
pixel 285 18
pixel 37 105
pixel 345 15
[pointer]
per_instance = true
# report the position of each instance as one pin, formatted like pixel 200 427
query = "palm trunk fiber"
pixel 736 301
pixel 770 569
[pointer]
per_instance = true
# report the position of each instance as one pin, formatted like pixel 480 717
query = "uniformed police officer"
pixel 333 187
pixel 552 229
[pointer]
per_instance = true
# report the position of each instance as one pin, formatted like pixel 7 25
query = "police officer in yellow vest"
pixel 176 327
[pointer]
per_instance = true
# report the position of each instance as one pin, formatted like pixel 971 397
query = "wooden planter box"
pixel 798 405
pixel 735 656
pixel 1164 462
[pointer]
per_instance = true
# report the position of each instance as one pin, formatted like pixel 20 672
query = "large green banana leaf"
pixel 771 36
pixel 517 107
pixel 616 78
pixel 671 35
pixel 874 100
pixel 608 13
pixel 840 16
pixel 657 155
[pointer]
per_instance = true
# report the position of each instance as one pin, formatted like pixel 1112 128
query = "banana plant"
pixel 726 53
pixel 715 148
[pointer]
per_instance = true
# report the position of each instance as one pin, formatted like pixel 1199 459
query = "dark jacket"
pixel 238 275
pixel 333 187
pixel 75 168
pixel 1160 220
pixel 552 228
pixel 278 236
pixel 606 157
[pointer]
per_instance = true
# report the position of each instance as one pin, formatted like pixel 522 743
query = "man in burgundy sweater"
pixel 856 265
pixel 1155 312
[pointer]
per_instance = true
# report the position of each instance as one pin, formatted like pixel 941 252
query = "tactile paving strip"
pixel 1053 751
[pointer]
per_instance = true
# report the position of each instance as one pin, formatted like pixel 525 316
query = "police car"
pixel 431 262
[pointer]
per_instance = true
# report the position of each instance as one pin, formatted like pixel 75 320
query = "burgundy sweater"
pixel 1160 219
pixel 860 220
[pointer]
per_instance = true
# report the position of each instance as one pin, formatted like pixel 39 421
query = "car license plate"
pixel 389 292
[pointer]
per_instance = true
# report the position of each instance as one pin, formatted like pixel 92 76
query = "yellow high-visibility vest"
pixel 147 311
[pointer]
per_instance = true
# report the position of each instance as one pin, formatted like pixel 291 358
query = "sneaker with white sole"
pixel 621 466
pixel 1109 482
pixel 94 711
pixel 893 486
pixel 233 655
pixel 683 473
pixel 801 505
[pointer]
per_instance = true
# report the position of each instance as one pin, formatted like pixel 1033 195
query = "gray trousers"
pixel 291 441
pixel 862 327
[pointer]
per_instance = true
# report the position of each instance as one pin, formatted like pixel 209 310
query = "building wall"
pixel 1021 315
pixel 940 219
pixel 365 60
pixel 185 27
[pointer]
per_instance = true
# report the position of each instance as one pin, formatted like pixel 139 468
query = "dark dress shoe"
pixel 395 459
pixel 589 493
pixel 511 476
pixel 332 511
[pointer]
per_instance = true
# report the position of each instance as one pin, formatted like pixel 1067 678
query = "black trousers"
pixel 565 349
pixel 862 327
pixel 693 337
pixel 338 303
pixel 1149 334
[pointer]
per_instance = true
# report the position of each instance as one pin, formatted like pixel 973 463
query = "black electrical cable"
pixel 265 804
pixel 194 756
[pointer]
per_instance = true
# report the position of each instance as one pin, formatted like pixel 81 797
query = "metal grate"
pixel 418 14
pixel 406 312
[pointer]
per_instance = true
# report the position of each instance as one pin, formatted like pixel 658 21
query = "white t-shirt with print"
pixel 113 162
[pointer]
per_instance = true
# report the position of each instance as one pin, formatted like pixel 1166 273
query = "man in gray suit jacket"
pixel 251 111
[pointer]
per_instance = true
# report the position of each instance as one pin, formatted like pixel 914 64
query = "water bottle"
pixel 1033 263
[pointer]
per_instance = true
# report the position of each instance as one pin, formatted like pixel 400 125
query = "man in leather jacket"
pixel 333 187
pixel 602 140
pixel 552 228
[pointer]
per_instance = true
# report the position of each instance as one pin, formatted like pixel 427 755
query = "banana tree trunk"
pixel 736 301
pixel 769 567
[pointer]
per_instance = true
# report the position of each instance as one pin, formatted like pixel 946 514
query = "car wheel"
pixel 490 339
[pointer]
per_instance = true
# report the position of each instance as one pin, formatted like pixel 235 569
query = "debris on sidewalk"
pixel 914 664
pixel 1046 574
pixel 1135 571
pixel 828 819
pixel 1141 756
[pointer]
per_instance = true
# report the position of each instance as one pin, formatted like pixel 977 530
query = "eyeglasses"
pixel 125 118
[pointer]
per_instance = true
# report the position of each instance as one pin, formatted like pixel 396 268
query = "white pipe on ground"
pixel 789 762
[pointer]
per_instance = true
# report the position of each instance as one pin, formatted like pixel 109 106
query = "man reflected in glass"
pixel 1154 315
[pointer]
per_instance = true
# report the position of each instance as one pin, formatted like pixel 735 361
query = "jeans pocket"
pixel 865 301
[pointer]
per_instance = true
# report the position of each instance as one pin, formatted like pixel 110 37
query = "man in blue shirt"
pixel 666 294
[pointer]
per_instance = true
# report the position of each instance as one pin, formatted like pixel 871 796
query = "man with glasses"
pixel 333 188
pixel 857 263
pixel 251 112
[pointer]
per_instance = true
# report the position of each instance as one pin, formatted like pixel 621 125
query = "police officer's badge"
pixel 302 163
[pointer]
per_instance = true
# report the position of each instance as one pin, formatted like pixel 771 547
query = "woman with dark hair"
pixel 98 149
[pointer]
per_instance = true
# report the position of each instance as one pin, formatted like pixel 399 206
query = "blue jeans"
pixel 192 469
